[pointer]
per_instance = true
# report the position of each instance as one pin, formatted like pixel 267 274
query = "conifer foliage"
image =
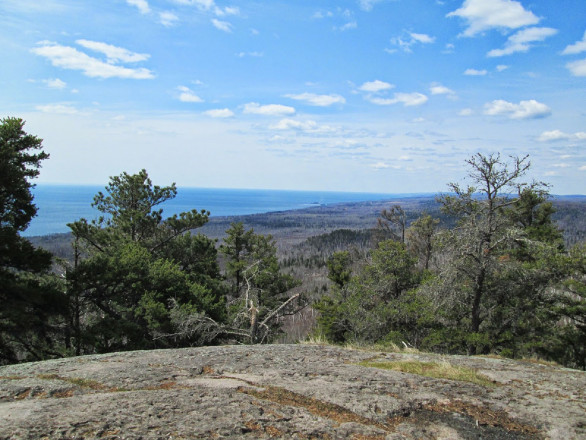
pixel 141 269
pixel 29 301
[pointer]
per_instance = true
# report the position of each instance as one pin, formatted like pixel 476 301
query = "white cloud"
pixel 201 4
pixel 558 135
pixel 142 5
pixel 228 10
pixel 367 5
pixel 466 112
pixel 268 110
pixel 422 38
pixel 70 58
pixel 55 83
pixel 307 126
pixel 438 89
pixel 379 166
pixel 521 41
pixel 502 67
pixel 167 18
pixel 582 168
pixel 407 99
pixel 375 86
pixel 474 72
pixel 553 135
pixel 320 14
pixel 187 95
pixel 63 109
pixel 250 54
pixel 530 109
pixel 405 43
pixel 482 15
pixel 577 68
pixel 222 25
pixel 577 47
pixel 220 113
pixel 318 100
pixel 113 53
pixel 347 26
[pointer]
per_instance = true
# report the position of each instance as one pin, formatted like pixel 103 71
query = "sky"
pixel 386 96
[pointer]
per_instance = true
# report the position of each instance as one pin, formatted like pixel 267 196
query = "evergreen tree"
pixel 143 269
pixel 260 292
pixel 29 299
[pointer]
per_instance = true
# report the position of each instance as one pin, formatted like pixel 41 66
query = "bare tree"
pixel 391 219
pixel 482 233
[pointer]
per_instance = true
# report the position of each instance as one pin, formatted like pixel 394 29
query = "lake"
pixel 62 204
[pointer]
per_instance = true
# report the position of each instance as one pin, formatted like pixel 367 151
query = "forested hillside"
pixel 496 266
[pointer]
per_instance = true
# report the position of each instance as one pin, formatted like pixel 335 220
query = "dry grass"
pixel 529 360
pixel 78 381
pixel 437 370
pixel 384 348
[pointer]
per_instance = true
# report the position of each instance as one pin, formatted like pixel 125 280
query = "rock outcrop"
pixel 284 391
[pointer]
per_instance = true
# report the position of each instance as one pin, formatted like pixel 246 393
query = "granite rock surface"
pixel 284 391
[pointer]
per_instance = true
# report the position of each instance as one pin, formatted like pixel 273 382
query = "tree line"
pixel 137 280
pixel 491 274
pixel 498 280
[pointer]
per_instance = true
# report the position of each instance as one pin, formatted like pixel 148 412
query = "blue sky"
pixel 357 95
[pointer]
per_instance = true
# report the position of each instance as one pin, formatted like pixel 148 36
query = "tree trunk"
pixel 475 312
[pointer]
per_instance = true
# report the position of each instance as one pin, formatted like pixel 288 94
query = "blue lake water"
pixel 62 204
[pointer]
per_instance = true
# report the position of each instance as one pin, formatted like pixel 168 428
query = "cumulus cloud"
pixel 530 109
pixel 220 113
pixel 474 72
pixel 502 67
pixel 113 53
pixel 68 57
pixel 380 166
pixel 412 38
pixel 577 47
pixel 577 68
pixel 407 99
pixel 222 25
pixel 267 110
pixel 55 83
pixel 167 18
pixel 318 100
pixel 187 95
pixel 375 86
pixel 438 89
pixel 553 135
pixel 142 5
pixel 482 15
pixel 521 41
pixel 558 135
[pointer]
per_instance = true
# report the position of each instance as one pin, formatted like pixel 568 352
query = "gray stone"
pixel 284 391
